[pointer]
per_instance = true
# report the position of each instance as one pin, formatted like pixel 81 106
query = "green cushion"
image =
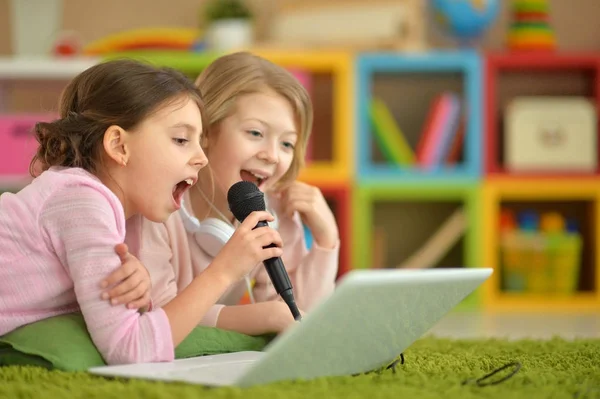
pixel 63 342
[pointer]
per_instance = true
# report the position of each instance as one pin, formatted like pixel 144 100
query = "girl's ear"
pixel 115 144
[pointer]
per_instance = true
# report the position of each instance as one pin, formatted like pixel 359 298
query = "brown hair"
pixel 118 92
pixel 236 74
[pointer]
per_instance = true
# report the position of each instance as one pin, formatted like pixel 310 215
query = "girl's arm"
pixel 256 319
pixel 169 244
pixel 165 251
pixel 82 225
pixel 163 248
pixel 246 248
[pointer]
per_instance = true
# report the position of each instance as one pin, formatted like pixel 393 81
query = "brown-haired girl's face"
pixel 255 143
pixel 164 160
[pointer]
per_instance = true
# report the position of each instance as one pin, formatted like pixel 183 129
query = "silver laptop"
pixel 371 317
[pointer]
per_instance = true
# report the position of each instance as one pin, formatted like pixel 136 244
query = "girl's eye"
pixel 180 141
pixel 255 133
pixel 288 145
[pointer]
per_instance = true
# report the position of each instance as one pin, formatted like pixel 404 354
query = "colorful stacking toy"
pixel 530 28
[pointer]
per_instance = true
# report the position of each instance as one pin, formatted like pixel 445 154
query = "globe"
pixel 465 20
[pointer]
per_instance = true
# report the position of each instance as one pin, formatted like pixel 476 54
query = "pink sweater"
pixel 312 273
pixel 57 240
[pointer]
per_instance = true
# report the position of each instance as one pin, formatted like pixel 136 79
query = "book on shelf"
pixel 440 142
pixel 388 135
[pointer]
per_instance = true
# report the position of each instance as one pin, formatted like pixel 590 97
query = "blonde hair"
pixel 240 73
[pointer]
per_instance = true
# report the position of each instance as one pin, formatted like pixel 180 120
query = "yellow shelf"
pixel 552 189
pixel 316 61
pixel 325 172
pixel 497 190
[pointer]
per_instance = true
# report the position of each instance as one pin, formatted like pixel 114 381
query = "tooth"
pixel 189 181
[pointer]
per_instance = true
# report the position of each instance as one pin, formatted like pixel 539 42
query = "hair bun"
pixel 61 143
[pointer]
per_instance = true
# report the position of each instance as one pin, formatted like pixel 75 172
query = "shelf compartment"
pixel 508 76
pixel 408 84
pixel 408 215
pixel 578 200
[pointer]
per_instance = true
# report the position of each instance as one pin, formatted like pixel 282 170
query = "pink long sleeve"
pixel 57 239
pixel 84 234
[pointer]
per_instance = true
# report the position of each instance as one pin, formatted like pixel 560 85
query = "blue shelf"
pixel 466 62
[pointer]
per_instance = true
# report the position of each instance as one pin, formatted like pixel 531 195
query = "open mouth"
pixel 180 189
pixel 255 178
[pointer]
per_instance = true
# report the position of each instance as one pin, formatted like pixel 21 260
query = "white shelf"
pixel 43 67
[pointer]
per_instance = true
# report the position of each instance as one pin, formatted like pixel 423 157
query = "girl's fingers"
pixel 136 294
pixel 126 285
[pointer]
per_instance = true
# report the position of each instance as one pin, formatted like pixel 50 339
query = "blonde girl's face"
pixel 255 143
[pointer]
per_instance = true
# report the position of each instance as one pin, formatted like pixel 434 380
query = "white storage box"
pixel 550 134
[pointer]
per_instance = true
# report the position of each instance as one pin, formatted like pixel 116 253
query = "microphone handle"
pixel 276 269
pixel 278 275
pixel 280 279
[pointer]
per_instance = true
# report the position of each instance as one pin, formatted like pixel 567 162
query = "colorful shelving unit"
pixel 508 75
pixel 577 197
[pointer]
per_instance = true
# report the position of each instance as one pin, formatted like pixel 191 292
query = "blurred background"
pixel 448 133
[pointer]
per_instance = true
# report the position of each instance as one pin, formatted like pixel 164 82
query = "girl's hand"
pixel 248 246
pixel 132 282
pixel 309 202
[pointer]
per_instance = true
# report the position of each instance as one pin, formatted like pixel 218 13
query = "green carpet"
pixel 433 368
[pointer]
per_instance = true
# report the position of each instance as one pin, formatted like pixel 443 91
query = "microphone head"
pixel 244 197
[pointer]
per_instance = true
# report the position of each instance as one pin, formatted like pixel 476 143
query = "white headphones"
pixel 212 234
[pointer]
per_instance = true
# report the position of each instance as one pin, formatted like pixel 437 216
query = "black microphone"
pixel 244 197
